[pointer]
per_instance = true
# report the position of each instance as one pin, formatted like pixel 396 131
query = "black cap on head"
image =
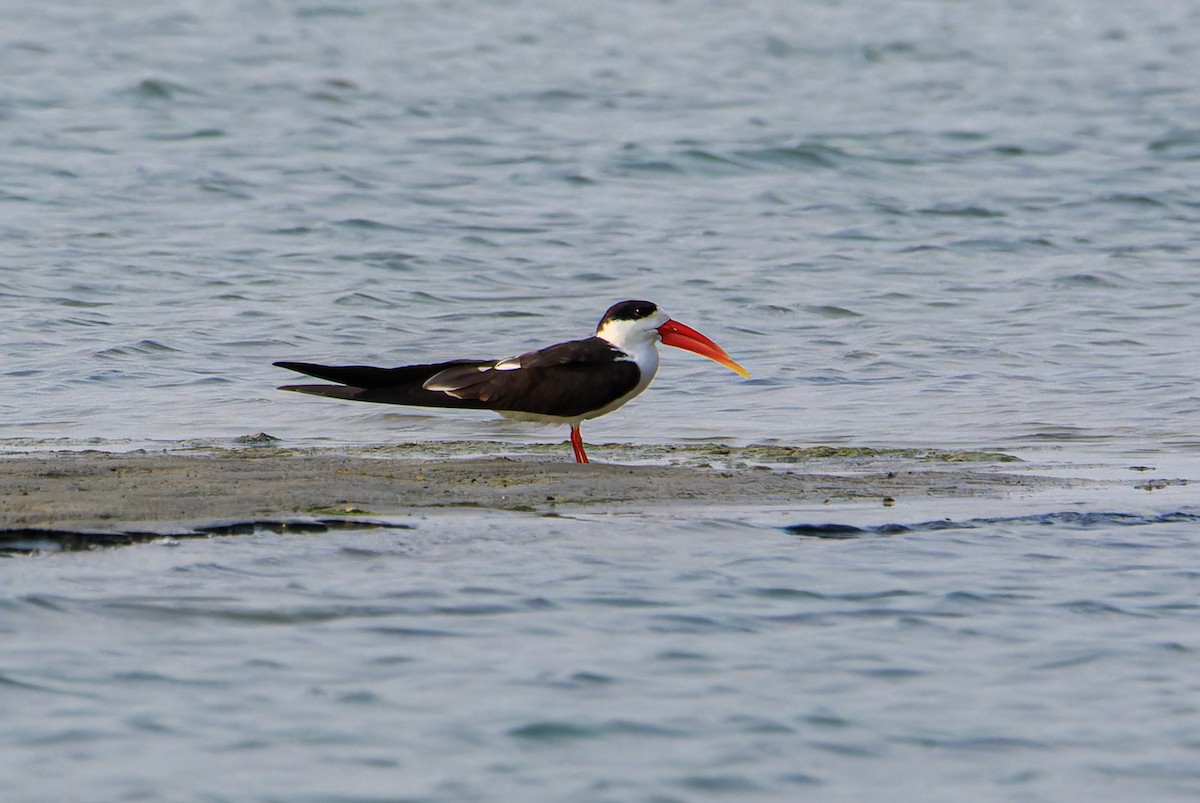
pixel 630 311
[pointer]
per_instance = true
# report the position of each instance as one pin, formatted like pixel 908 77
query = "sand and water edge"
pixel 82 499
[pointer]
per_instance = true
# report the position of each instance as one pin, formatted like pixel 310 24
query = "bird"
pixel 566 383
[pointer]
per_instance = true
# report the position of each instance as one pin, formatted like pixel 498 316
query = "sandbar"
pixel 140 494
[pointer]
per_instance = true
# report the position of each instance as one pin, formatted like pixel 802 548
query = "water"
pixel 610 658
pixel 978 220
pixel 965 225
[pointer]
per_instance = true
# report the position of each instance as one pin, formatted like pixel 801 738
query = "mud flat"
pixel 197 491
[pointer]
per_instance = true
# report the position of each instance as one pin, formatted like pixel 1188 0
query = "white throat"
pixel 630 336
pixel 639 339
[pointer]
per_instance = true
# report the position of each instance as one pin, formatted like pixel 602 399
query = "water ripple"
pixel 1070 519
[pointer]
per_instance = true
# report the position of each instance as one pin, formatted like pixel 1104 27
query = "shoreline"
pixel 219 490
pixel 74 500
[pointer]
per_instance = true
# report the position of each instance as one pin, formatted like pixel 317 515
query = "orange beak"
pixel 685 337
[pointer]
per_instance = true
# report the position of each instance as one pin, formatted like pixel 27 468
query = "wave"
pixel 1070 518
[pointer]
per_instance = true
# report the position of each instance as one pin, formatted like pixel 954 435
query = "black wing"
pixel 567 379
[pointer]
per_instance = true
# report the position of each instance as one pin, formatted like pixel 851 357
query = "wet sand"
pixel 202 491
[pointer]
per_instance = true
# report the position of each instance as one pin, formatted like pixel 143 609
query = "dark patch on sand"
pixel 45 539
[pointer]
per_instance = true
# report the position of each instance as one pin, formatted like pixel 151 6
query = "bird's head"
pixel 633 322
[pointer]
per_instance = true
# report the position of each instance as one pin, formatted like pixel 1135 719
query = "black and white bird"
pixel 567 383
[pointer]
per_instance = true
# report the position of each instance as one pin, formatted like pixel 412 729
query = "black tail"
pixel 402 385
pixel 366 376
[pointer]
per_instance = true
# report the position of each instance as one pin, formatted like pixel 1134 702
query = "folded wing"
pixel 566 380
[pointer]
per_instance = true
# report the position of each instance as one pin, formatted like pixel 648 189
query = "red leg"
pixel 577 445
